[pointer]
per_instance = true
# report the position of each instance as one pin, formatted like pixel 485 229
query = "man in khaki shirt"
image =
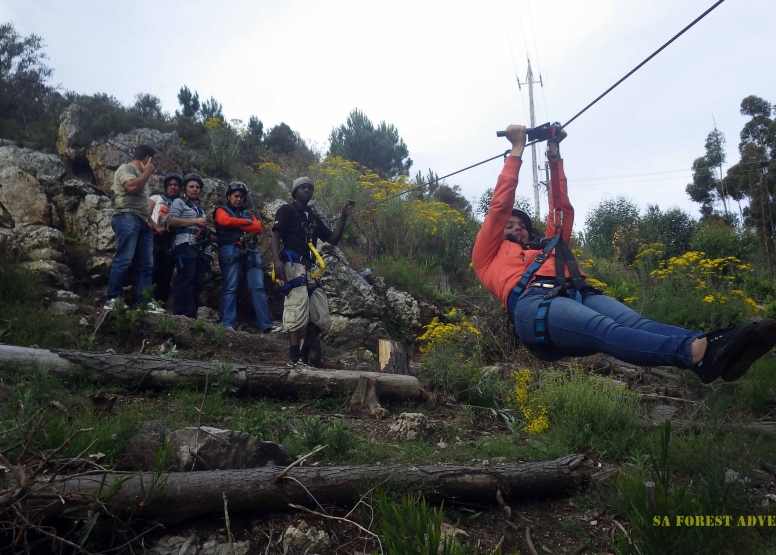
pixel 130 223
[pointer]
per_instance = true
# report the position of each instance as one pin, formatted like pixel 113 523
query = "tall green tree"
pixel 148 105
pixel 189 103
pixel 212 108
pixel 24 76
pixel 380 148
pixel 755 175
pixel 707 187
pixel 255 128
pixel 607 222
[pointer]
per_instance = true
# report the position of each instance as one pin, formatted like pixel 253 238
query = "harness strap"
pixel 540 259
pixel 294 283
pixel 541 325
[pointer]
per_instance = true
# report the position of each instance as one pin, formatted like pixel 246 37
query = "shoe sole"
pixel 735 346
pixel 762 341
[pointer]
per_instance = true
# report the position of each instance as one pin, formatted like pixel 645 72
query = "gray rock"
pixel 61 308
pixel 305 538
pixel 353 333
pixel 269 209
pixel 35 243
pixel 403 309
pixel 207 314
pixel 106 156
pixel 67 295
pixel 661 413
pixel 55 273
pixel 46 168
pixel 91 223
pixel 349 293
pixel 216 449
pixel 71 143
pixel 272 454
pixel 216 544
pixel 23 197
pixel 410 425
pixel 76 187
pixel 147 440
pixel 99 265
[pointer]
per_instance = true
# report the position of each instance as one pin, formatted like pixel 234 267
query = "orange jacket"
pixel 500 263
pixel 222 218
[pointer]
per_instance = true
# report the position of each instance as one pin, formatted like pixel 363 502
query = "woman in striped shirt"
pixel 191 248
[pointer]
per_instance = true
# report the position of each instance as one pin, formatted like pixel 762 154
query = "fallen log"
pixel 139 372
pixel 189 494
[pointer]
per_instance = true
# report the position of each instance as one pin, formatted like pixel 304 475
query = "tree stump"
pixel 393 357
pixel 367 397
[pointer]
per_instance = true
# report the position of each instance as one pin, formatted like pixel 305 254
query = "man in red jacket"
pixel 239 254
pixel 557 315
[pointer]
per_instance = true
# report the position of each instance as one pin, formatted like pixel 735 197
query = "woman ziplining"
pixel 556 314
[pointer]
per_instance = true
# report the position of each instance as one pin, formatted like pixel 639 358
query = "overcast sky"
pixel 443 73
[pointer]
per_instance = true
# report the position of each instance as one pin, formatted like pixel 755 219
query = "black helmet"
pixel 193 177
pixel 236 186
pixel 169 177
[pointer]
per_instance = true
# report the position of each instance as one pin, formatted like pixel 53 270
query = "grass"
pixel 24 320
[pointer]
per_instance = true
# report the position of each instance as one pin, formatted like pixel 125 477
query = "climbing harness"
pixel 249 242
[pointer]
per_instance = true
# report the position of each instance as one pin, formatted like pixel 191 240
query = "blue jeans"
pixel 189 280
pixel 134 242
pixel 600 324
pixel 250 265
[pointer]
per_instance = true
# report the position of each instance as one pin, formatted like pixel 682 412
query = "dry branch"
pixel 157 372
pixel 189 494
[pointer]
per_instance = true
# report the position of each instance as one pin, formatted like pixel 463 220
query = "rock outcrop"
pixel 106 156
pixel 45 198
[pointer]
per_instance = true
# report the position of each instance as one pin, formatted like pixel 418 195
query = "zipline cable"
pixel 655 53
pixel 607 91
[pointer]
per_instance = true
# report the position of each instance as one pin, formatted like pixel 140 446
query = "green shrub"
pixel 411 527
pixel 24 319
pixel 589 415
pixel 647 509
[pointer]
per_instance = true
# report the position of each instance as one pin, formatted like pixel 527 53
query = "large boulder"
pixel 348 292
pixel 106 156
pixel 46 168
pixel 23 197
pixel 37 242
pixel 404 310
pixel 353 333
pixel 210 448
pixel 71 141
pixel 269 209
pixel 92 223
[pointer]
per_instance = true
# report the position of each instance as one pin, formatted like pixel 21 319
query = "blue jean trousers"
pixel 250 265
pixel 134 243
pixel 601 324
pixel 189 280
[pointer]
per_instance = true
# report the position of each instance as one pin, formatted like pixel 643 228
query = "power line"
pixel 538 63
pixel 631 72
pixel 512 52
pixel 669 171
pixel 635 69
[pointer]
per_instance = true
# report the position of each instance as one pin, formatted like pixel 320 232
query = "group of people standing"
pixel 168 233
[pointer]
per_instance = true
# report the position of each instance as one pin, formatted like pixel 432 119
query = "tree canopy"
pixel 380 148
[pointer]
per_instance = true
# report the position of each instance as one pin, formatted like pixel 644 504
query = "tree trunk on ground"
pixel 393 357
pixel 190 494
pixel 138 372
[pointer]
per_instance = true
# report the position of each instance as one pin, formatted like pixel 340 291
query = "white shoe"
pixel 110 304
pixel 154 308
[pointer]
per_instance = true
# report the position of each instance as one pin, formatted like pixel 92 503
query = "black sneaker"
pixel 293 363
pixel 762 341
pixel 722 347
